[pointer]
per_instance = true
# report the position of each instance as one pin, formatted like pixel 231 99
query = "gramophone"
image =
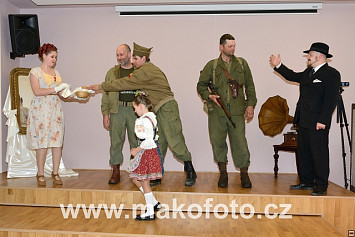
pixel 273 117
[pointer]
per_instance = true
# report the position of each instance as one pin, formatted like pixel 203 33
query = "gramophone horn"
pixel 273 116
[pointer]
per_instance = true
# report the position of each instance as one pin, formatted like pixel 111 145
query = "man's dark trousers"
pixel 313 156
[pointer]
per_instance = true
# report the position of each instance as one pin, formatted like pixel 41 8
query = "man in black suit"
pixel 319 93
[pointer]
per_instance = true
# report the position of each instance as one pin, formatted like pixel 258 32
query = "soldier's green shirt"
pixel 109 100
pixel 240 72
pixel 148 78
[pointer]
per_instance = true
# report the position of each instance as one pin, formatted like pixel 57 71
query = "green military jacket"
pixel 240 72
pixel 148 78
pixel 109 100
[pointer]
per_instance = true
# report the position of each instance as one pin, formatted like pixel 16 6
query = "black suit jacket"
pixel 319 94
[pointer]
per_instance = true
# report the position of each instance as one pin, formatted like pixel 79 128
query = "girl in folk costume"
pixel 146 164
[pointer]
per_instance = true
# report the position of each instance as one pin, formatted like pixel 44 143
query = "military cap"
pixel 141 51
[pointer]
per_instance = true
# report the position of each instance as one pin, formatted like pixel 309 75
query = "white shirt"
pixel 316 68
pixel 144 130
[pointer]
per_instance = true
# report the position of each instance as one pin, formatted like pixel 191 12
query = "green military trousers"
pixel 119 123
pixel 170 131
pixel 219 127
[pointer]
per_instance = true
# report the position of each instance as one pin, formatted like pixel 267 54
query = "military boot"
pixel 223 178
pixel 244 178
pixel 115 178
pixel 190 173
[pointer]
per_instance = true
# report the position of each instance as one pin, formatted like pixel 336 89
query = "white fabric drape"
pixel 21 160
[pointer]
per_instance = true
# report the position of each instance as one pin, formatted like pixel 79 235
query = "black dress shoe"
pixel 301 186
pixel 319 192
pixel 145 218
pixel 157 206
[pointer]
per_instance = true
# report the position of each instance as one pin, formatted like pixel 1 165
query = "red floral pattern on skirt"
pixel 149 166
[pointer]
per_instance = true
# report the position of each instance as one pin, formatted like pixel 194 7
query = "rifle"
pixel 214 92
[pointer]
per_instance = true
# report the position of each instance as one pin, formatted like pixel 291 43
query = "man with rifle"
pixel 226 83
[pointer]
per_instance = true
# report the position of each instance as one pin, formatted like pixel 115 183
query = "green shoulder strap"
pixel 241 63
pixel 214 70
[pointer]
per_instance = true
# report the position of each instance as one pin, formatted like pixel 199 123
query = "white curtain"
pixel 21 160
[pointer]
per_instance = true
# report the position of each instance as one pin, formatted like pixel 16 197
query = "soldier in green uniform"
pixel 233 82
pixel 151 79
pixel 118 115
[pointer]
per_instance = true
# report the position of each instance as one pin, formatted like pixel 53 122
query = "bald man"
pixel 117 111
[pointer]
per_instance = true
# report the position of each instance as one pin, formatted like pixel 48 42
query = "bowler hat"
pixel 321 48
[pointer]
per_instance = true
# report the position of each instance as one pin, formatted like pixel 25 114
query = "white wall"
pixel 182 45
pixel 6 66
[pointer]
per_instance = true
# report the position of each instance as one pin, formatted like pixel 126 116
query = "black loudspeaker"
pixel 24 34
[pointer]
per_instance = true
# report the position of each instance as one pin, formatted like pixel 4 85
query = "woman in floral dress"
pixel 45 124
pixel 146 164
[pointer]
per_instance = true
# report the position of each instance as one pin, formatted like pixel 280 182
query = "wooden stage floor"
pixel 29 210
pixel 174 182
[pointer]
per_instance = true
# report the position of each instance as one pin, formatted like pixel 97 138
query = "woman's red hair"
pixel 46 49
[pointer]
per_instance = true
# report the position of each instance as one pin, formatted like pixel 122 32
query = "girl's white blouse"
pixel 144 130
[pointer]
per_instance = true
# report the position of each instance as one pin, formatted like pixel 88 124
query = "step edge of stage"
pixel 183 210
pixel 83 233
pixel 172 192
